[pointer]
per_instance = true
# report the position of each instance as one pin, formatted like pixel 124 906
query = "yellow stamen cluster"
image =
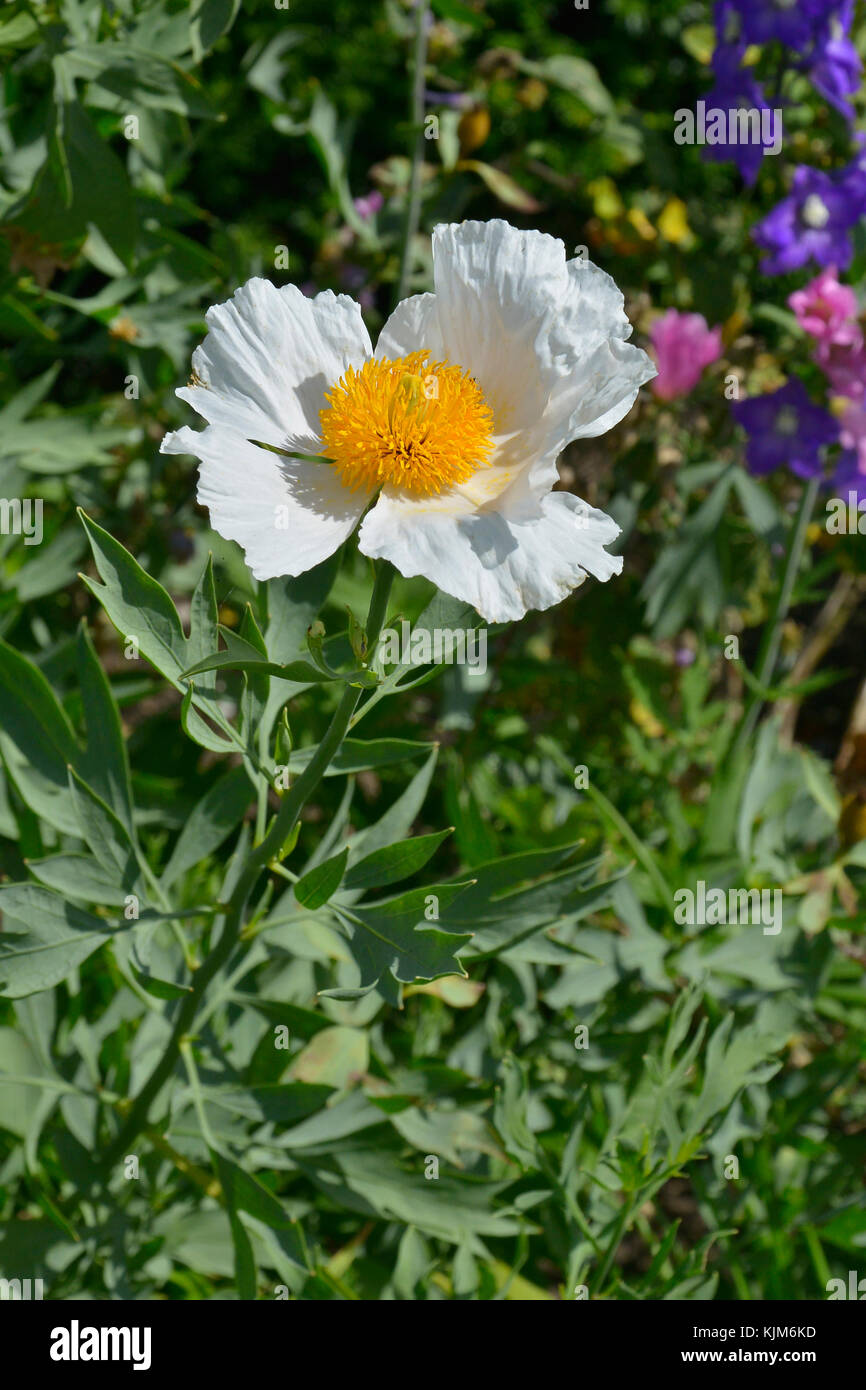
pixel 418 426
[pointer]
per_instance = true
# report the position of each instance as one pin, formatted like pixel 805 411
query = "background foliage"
pixel 304 1169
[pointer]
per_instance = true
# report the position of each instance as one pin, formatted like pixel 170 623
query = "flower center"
pixel 787 422
pixel 418 426
pixel 815 212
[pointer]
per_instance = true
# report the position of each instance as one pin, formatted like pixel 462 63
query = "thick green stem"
pixel 413 203
pixel 233 918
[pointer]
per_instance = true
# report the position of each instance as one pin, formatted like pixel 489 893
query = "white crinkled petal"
pixel 599 372
pixel 287 514
pixel 503 566
pixel 495 288
pixel 545 339
pixel 270 356
pixel 412 326
pixel 602 394
pixel 520 317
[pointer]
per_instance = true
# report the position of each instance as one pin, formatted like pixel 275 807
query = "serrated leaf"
pixel 397 937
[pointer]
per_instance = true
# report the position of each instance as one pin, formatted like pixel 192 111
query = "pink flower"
pixel 852 432
pixel 683 344
pixel 369 205
pixel 844 365
pixel 827 310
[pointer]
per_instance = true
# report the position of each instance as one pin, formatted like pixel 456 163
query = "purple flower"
pixel 736 90
pixel 813 222
pixel 793 22
pixel 835 67
pixel 786 429
pixel 369 205
pixel 853 178
pixel 849 477
pixel 729 31
pixel 459 100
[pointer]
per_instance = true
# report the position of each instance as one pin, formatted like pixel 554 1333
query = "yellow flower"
pixel 673 223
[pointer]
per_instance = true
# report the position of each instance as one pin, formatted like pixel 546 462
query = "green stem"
pixel 769 651
pixel 619 1231
pixel 160 897
pixel 413 205
pixel 269 849
pixel 816 1252
pixel 570 1202
pixel 198 1098
pixel 206 1181
pixel 261 810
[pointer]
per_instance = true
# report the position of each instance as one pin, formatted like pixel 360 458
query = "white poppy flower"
pixel 451 428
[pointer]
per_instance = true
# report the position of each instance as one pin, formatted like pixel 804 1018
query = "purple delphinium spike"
pixel 791 22
pixel 735 89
